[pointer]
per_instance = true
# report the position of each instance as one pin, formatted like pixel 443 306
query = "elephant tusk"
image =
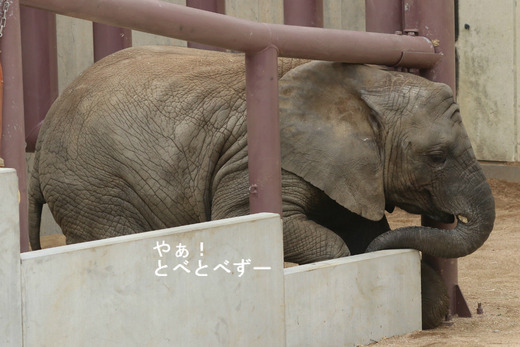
pixel 462 219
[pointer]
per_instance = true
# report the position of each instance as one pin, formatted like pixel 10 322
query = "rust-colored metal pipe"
pixel 215 6
pixel 13 134
pixel 109 39
pixel 2 164
pixel 189 24
pixel 40 69
pixel 383 16
pixel 411 17
pixel 308 13
pixel 435 19
pixel 263 132
pixel 437 23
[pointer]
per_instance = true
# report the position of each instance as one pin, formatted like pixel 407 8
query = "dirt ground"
pixel 490 276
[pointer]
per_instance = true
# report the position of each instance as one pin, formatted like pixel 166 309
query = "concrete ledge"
pixel 124 292
pixel 501 171
pixel 10 292
pixel 354 300
pixel 135 291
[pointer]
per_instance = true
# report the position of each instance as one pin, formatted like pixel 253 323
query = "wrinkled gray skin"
pixel 151 138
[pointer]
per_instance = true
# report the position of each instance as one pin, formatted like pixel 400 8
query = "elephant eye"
pixel 437 157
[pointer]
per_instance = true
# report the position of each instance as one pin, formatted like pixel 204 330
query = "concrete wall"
pixel 231 290
pixel 489 76
pixel 345 302
pixel 10 303
pixel 129 291
pixel 489 56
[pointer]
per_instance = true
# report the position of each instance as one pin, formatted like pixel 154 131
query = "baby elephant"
pixel 155 137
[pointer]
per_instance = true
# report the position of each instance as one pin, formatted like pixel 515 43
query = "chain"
pixel 3 19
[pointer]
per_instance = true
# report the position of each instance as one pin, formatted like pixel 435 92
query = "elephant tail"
pixel 36 201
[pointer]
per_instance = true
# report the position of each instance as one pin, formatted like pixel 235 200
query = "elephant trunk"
pixel 473 228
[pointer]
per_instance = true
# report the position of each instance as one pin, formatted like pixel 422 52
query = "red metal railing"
pixel 222 31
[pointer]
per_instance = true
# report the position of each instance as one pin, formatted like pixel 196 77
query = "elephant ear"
pixel 329 135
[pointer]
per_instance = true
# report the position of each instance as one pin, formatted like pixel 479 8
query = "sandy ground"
pixel 490 276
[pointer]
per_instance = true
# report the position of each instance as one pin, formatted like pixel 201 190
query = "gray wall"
pixel 489 60
pixel 489 76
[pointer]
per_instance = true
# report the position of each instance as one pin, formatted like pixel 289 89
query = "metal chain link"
pixel 3 19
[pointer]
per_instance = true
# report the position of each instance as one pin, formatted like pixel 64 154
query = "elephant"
pixel 156 137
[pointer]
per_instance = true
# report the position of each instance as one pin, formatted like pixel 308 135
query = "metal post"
pixel 40 68
pixel 436 21
pixel 13 135
pixel 307 13
pixel 383 16
pixel 216 6
pixel 263 132
pixel 411 21
pixel 109 39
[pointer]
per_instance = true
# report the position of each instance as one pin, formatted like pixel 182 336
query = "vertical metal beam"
pixel 263 132
pixel 13 134
pixel 40 68
pixel 109 39
pixel 307 13
pixel 383 16
pixel 436 21
pixel 216 6
pixel 2 164
pixel 411 17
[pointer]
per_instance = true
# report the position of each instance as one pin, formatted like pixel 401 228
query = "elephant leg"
pixel 231 196
pixel 307 236
pixel 305 241
pixel 435 299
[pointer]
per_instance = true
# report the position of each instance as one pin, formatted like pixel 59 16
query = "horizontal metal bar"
pixel 162 18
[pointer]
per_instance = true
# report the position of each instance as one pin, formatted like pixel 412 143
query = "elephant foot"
pixel 435 299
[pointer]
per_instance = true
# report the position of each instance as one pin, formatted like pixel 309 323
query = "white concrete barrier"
pixel 10 305
pixel 209 284
pixel 354 300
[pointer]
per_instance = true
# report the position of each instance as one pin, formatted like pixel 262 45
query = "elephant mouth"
pixel 443 217
pixel 437 216
pixel 475 216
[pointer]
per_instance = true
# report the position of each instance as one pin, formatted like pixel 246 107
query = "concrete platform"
pixel 211 284
pixel 354 300
pixel 502 171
